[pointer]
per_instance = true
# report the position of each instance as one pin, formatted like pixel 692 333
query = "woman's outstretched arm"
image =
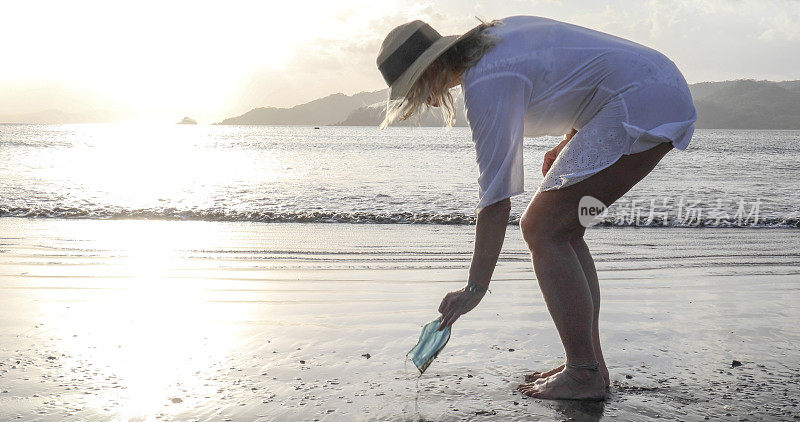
pixel 490 232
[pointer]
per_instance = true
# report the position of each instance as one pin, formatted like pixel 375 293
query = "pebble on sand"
pixel 735 363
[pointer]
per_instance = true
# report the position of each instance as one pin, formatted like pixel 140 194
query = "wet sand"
pixel 141 320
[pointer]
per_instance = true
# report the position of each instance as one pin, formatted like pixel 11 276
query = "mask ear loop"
pixel 416 380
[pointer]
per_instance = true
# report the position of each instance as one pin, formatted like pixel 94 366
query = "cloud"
pixel 343 62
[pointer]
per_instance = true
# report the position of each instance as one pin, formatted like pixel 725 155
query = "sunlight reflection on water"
pixel 139 165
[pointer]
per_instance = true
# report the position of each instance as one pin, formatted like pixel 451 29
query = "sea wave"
pixel 172 214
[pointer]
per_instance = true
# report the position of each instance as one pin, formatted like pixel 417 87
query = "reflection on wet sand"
pixel 193 320
pixel 573 410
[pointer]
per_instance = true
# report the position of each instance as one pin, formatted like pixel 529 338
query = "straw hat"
pixel 408 50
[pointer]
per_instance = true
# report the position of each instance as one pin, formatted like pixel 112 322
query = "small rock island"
pixel 188 121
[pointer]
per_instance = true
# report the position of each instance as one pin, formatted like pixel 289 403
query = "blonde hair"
pixel 433 84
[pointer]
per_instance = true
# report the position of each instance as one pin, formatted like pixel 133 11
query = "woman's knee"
pixel 541 230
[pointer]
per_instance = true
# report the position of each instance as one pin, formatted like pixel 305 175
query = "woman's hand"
pixel 550 156
pixel 456 304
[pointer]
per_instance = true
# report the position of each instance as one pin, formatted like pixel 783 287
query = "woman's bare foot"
pixel 538 375
pixel 569 384
pixel 541 375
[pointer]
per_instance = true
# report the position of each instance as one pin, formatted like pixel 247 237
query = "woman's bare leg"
pixel 550 226
pixel 587 263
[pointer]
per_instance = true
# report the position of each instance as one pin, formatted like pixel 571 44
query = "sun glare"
pixel 155 334
pixel 158 166
pixel 156 59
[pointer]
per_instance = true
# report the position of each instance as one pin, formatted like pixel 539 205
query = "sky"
pixel 160 61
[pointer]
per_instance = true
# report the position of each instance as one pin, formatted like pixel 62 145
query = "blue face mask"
pixel 430 343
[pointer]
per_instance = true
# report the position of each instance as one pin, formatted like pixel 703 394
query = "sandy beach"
pixel 142 320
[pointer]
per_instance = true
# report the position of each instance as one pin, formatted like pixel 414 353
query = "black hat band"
pixel 407 53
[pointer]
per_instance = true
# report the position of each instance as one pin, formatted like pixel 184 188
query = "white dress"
pixel 546 77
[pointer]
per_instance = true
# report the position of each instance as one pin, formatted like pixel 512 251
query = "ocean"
pixel 268 305
pixel 726 178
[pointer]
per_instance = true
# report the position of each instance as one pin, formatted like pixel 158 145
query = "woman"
pixel 623 105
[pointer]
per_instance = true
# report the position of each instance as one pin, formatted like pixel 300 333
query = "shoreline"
pixel 403 218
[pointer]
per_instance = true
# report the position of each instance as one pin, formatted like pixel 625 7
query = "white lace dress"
pixel 546 77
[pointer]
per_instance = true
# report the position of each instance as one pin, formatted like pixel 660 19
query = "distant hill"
pixel 747 104
pixel 362 109
pixel 324 111
pixel 739 104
